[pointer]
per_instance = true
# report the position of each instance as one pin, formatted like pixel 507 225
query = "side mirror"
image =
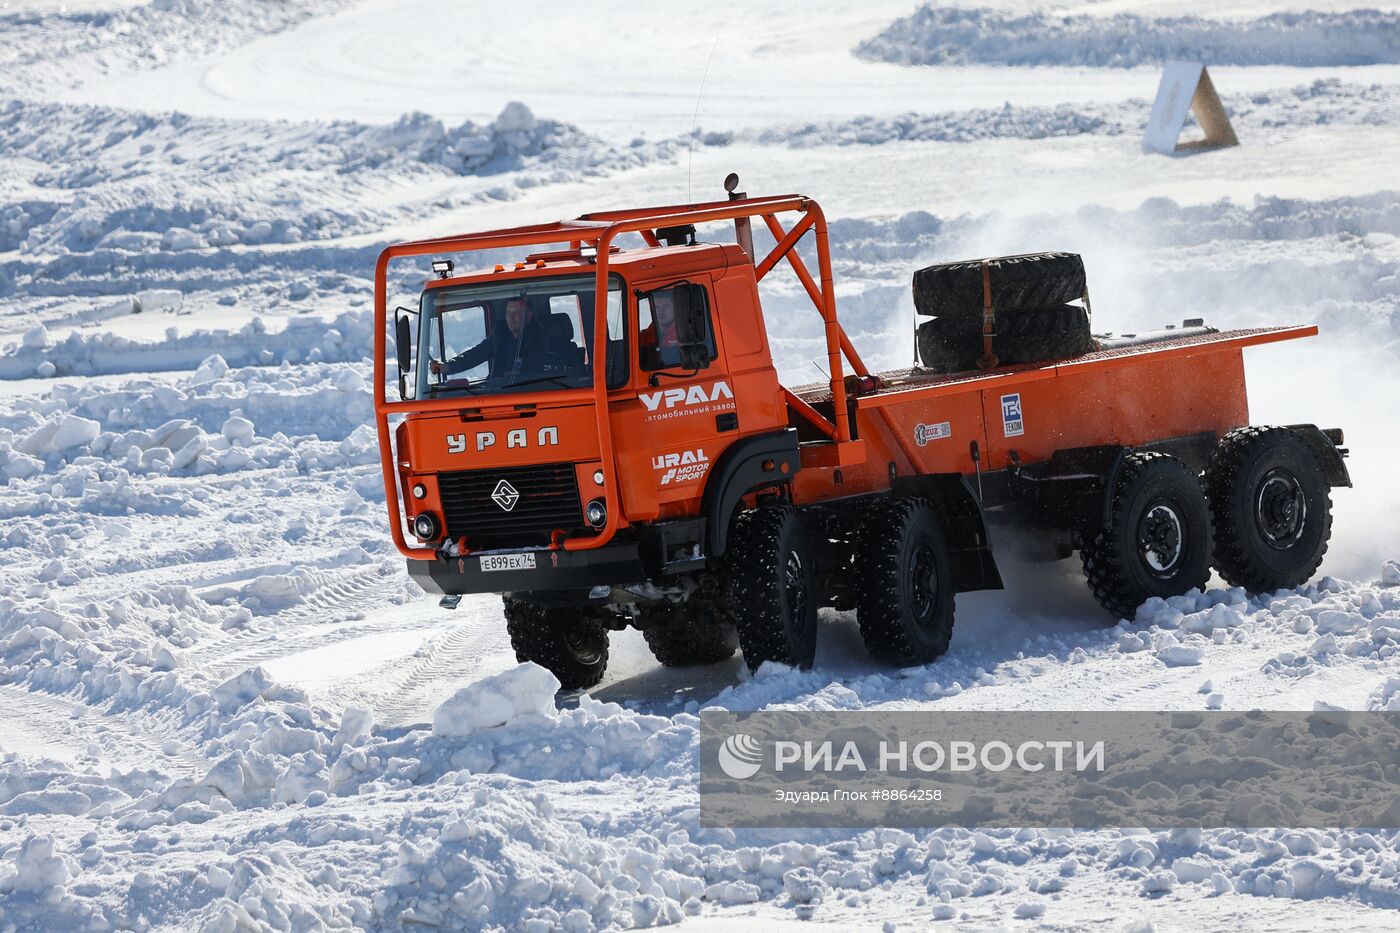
pixel 403 340
pixel 692 321
pixel 403 346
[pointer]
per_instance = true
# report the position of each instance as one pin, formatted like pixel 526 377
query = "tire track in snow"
pixel 69 731
pixel 407 690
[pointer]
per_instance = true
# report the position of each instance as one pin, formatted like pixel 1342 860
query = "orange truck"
pixel 592 426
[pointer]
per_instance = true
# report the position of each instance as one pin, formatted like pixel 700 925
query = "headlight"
pixel 420 491
pixel 598 477
pixel 426 526
pixel 596 513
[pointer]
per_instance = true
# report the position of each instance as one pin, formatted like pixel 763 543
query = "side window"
pixel 659 346
pixel 460 330
pixel 567 307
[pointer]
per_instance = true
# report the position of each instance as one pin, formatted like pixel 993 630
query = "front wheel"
pixel 571 643
pixel 1157 542
pixel 1272 508
pixel 687 633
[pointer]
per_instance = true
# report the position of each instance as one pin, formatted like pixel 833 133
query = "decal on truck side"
pixel 1012 424
pixel 684 467
pixel 923 433
pixel 690 400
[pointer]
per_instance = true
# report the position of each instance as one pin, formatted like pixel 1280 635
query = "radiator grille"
pixel 547 500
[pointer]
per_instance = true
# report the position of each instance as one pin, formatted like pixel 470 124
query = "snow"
pixel 938 35
pixel 527 690
pixel 224 706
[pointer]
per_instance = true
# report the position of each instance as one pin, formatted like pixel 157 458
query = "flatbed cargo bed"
pixel 898 383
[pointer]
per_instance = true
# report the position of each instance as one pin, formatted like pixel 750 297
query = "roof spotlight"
pixel 443 267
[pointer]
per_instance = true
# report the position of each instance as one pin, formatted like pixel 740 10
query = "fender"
pixel 1328 454
pixel 740 470
pixel 974 567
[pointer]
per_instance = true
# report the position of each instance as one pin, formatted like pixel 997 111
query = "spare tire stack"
pixel 1031 296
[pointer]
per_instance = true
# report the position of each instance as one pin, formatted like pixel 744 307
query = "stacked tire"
pixel 1032 296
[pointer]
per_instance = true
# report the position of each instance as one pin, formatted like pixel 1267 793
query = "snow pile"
pixel 176 183
pixel 508 860
pixel 210 353
pixel 937 35
pixel 528 690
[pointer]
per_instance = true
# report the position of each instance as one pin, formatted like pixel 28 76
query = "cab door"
pixel 684 413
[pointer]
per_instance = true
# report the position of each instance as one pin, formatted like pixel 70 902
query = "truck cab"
pixel 513 469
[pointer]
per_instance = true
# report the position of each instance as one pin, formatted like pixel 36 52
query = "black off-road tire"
pixel 1019 283
pixel 1146 551
pixel 954 345
pixel 570 642
pixel 906 586
pixel 768 592
pixel 688 633
pixel 1271 506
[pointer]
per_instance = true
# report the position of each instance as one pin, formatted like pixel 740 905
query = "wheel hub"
pixel 1161 539
pixel 1280 510
pixel 923 582
pixel 578 643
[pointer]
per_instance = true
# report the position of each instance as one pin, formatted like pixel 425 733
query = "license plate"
pixel 524 561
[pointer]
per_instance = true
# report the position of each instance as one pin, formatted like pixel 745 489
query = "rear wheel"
pixel 687 633
pixel 1158 539
pixel 768 592
pixel 1272 509
pixel 570 642
pixel 904 567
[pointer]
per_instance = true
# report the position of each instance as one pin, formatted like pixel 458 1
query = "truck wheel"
pixel 1271 506
pixel 1031 280
pixel 905 570
pixel 768 593
pixel 954 345
pixel 686 634
pixel 1158 540
pixel 572 643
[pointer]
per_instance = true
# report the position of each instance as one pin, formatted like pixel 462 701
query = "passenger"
pixel 661 333
pixel 518 347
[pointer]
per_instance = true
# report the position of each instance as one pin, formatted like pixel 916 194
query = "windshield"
pixel 516 336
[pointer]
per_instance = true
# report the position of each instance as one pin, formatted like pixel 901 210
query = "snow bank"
pixel 62 47
pixel 1324 102
pixel 179 185
pixel 527 690
pixel 209 352
pixel 955 36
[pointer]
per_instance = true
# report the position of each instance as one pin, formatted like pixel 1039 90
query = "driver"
pixel 518 347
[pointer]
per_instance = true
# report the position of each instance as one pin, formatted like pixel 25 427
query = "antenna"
pixel 695 118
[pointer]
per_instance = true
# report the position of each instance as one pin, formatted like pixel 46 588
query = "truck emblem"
pixel 695 395
pixel 505 495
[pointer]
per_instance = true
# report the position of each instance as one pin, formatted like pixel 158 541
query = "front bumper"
pixel 553 570
pixel 663 550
